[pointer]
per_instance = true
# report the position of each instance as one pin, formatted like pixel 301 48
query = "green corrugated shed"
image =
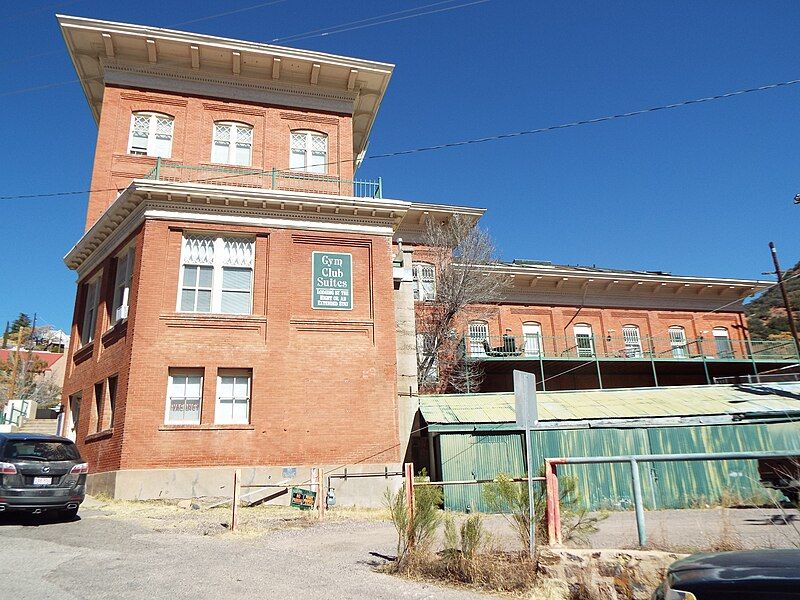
pixel 673 422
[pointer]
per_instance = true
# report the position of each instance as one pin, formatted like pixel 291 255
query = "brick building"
pixel 242 299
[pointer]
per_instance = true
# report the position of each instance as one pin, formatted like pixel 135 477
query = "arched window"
pixel 584 340
pixel 308 151
pixel 232 144
pixel 532 338
pixel 424 281
pixel 632 341
pixel 478 338
pixel 722 342
pixel 677 340
pixel 151 134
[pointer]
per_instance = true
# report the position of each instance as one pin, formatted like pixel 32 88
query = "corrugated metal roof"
pixel 774 399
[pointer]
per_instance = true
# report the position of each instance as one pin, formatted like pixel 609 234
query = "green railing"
pixel 15 415
pixel 274 179
pixel 609 347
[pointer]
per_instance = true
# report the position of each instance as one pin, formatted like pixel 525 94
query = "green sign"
pixel 331 281
pixel 303 499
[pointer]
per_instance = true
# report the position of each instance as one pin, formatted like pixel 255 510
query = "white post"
pixel 527 416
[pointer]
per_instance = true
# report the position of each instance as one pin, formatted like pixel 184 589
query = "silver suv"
pixel 41 473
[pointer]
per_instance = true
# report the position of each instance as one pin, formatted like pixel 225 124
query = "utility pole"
pixel 789 314
pixel 5 335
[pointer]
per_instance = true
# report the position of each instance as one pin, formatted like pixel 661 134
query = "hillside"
pixel 766 316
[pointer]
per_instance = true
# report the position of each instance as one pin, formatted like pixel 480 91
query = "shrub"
pixel 511 499
pixel 426 516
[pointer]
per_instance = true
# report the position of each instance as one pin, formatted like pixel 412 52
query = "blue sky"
pixel 699 190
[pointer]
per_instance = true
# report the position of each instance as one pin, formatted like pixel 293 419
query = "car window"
pixel 40 450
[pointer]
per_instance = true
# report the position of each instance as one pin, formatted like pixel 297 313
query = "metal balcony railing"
pixel 609 347
pixel 274 179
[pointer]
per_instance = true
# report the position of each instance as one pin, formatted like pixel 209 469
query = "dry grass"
pixel 492 571
pixel 168 515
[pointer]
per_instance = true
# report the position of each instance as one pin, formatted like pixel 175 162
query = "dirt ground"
pixel 159 549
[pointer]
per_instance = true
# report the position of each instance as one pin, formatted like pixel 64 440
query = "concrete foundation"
pixel 363 486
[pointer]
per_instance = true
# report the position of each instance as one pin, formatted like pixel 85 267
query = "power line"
pixel 625 115
pixel 770 86
pixel 364 23
pixel 226 13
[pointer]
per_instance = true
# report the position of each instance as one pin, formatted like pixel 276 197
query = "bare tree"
pixel 460 253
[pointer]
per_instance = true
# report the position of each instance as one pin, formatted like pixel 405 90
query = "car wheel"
pixel 68 514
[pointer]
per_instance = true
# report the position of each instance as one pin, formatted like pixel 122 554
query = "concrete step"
pixel 39 426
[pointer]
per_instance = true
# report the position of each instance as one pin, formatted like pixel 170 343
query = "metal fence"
pixel 274 179
pixel 610 347
pixel 758 378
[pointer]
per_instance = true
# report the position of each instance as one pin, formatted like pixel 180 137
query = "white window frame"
pixel 632 340
pixel 223 419
pixel 122 285
pixel 424 281
pixel 583 331
pixel 532 338
pixel 152 135
pixel 233 142
pixel 478 333
pixel 306 150
pixel 677 341
pixel 722 349
pixel 90 306
pixel 185 374
pixel 219 261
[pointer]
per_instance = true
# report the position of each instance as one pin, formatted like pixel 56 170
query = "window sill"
pixel 116 331
pixel 181 319
pixel 100 435
pixel 206 427
pixel 83 353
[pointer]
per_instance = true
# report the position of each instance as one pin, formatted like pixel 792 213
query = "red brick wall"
pixel 106 356
pixel 323 382
pixel 559 320
pixel 192 135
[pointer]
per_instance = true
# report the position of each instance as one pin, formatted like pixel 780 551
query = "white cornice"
pixel 242 89
pixel 91 42
pixel 145 199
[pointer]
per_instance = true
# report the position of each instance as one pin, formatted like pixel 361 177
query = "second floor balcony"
pixel 273 179
pixel 539 347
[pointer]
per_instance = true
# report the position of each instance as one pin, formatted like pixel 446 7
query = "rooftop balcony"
pixel 274 179
pixel 536 347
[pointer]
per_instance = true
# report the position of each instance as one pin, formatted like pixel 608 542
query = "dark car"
pixel 781 474
pixel 750 575
pixel 41 473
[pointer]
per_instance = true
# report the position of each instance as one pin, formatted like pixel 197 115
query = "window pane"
pixel 226 387
pixel 243 154
pixel 206 277
pixel 204 301
pixel 297 159
pixel 187 300
pixel 239 412
pixel 189 276
pixel 240 387
pixel 235 279
pixel 219 152
pixel 176 409
pixel 162 146
pixel 193 384
pixel 235 302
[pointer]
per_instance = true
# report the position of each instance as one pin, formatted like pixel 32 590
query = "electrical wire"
pixel 505 424
pixel 571 124
pixel 364 23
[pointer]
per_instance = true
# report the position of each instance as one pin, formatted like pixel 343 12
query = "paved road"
pixel 101 557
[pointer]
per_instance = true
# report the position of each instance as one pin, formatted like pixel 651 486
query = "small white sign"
pixel 525 399
pixel 42 480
